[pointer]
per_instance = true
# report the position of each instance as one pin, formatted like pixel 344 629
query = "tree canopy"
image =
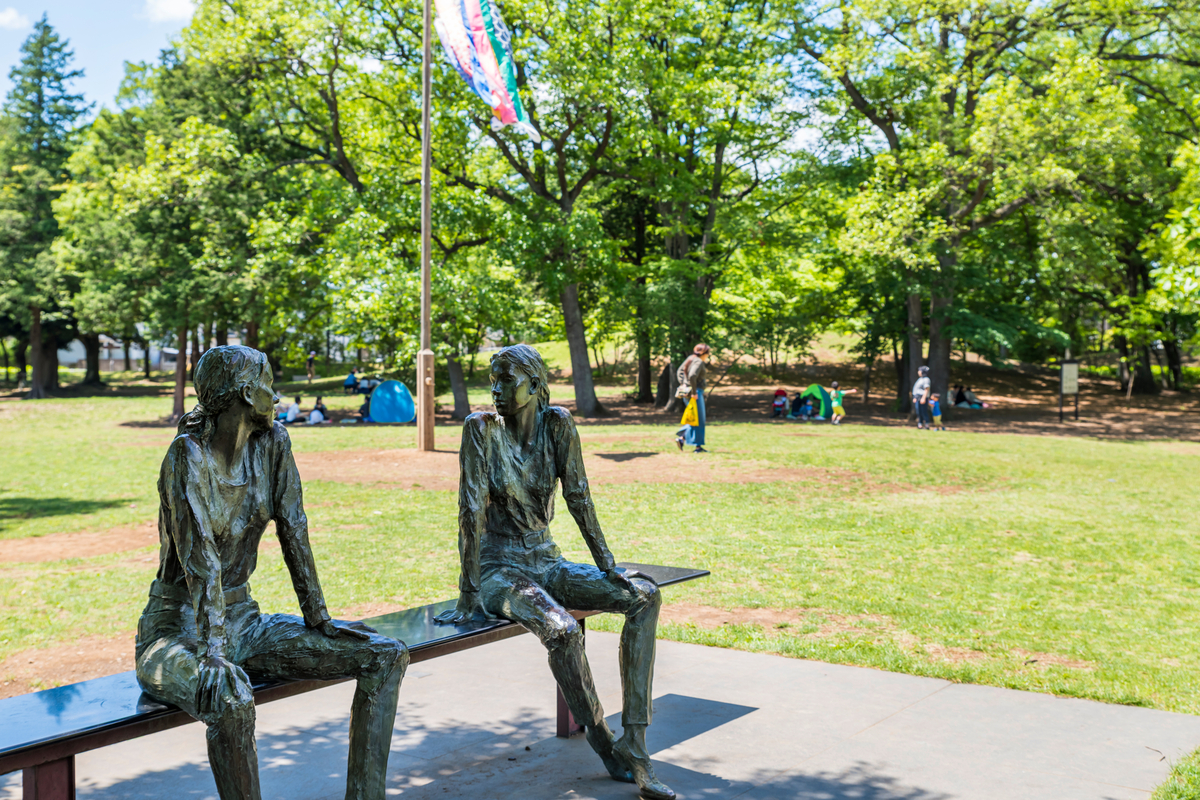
pixel 1017 179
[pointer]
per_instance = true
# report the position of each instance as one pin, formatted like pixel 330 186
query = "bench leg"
pixel 54 780
pixel 567 726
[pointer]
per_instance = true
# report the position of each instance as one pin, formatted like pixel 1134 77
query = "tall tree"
pixel 43 114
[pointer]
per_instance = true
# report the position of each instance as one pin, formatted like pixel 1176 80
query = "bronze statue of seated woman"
pixel 227 474
pixel 511 464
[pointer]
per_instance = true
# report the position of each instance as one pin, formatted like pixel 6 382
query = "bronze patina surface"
pixel 512 462
pixel 227 474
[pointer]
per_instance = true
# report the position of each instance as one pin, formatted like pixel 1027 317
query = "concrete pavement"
pixel 728 724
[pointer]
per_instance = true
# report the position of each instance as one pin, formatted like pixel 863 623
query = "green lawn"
pixel 1053 564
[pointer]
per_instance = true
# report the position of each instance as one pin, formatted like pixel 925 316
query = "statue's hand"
pixel 220 681
pixel 333 628
pixel 621 578
pixel 469 608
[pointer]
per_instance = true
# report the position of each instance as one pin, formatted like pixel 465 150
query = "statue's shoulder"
pixel 557 415
pixel 185 446
pixel 478 422
pixel 278 435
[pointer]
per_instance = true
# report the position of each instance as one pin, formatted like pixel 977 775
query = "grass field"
pixel 1058 565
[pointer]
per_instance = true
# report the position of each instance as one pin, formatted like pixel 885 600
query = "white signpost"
pixel 1068 384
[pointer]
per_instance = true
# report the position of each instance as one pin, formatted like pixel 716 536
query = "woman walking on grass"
pixel 691 379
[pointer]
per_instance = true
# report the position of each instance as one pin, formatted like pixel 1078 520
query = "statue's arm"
pixel 472 520
pixel 192 532
pixel 568 455
pixel 291 525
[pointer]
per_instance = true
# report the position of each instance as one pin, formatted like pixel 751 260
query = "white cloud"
pixel 169 10
pixel 13 20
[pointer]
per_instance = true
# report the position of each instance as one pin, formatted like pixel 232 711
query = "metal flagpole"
pixel 425 356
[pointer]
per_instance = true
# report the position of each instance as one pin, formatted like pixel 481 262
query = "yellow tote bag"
pixel 691 416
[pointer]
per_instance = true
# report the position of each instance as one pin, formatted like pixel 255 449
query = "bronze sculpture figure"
pixel 511 463
pixel 227 474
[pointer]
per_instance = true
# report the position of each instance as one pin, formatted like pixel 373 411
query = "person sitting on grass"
pixel 973 399
pixel 319 413
pixel 779 405
pixel 350 385
pixel 291 413
pixel 835 399
pixel 935 408
pixel 801 408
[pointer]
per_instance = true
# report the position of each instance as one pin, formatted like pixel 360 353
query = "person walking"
pixel 691 375
pixel 920 394
pixel 310 366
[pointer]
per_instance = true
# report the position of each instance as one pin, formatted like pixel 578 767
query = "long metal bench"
pixel 42 732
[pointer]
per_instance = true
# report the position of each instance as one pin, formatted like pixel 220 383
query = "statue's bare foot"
pixel 601 738
pixel 638 761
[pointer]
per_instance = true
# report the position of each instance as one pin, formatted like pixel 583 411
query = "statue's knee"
pixel 649 597
pixel 395 654
pixel 234 712
pixel 564 634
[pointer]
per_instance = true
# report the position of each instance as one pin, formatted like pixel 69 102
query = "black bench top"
pixel 32 721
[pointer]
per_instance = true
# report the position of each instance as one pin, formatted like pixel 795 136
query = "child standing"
pixel 835 400
pixel 779 406
pixel 935 407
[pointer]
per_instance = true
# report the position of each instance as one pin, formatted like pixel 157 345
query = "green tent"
pixel 821 402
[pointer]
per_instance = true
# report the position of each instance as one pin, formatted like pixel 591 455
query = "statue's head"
pixel 519 377
pixel 231 378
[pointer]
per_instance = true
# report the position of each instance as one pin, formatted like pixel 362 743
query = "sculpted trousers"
pixel 532 584
pixel 273 646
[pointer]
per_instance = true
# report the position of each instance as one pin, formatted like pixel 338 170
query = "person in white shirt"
pixel 293 412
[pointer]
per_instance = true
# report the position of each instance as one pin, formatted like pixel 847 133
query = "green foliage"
pixel 1184 781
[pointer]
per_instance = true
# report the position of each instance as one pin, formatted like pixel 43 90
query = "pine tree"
pixel 40 115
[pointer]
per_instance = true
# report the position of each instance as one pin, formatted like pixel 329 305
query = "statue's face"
pixel 261 398
pixel 512 389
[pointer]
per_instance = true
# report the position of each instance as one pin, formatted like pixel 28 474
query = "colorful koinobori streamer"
pixel 479 45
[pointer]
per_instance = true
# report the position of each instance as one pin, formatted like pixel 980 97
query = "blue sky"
pixel 103 33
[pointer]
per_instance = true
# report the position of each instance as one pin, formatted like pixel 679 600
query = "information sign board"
pixel 1070 377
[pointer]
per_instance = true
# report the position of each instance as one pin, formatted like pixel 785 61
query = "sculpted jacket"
pixel 209 528
pixel 502 493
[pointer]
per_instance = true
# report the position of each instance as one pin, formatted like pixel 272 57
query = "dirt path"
pixel 78 545
pixel 409 469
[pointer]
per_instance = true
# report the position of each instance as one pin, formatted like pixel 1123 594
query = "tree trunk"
pixel 22 362
pixel 252 335
pixel 180 372
pixel 125 352
pixel 458 387
pixel 50 362
pixel 663 391
pixel 900 361
pixel 586 404
pixel 1123 372
pixel 645 393
pixel 37 381
pixel 915 345
pixel 196 352
pixel 867 383
pixel 1143 374
pixel 940 345
pixel 672 386
pixel 1174 362
pixel 146 356
pixel 221 335
pixel 91 350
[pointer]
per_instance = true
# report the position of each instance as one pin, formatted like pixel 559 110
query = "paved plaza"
pixel 480 725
